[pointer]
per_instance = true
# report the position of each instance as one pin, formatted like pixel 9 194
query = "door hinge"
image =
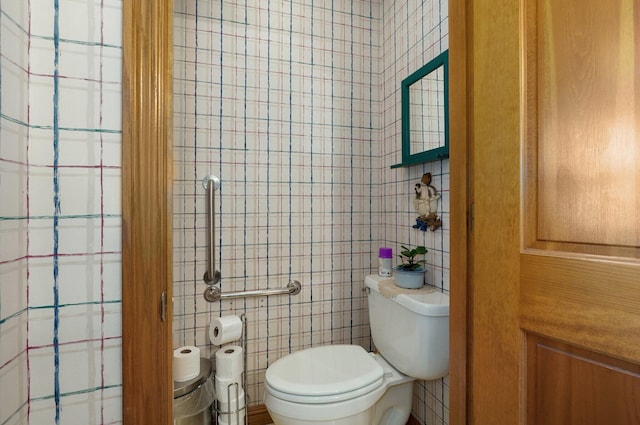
pixel 470 217
pixel 163 306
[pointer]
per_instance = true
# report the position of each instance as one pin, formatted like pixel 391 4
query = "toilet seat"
pixel 325 374
pixel 310 410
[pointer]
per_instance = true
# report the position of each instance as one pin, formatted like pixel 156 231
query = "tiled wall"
pixel 13 212
pixel 279 100
pixel 60 286
pixel 413 33
pixel 296 107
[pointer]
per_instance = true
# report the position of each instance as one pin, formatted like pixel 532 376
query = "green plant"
pixel 408 258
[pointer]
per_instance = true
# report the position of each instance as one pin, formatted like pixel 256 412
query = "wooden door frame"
pixel 460 100
pixel 147 196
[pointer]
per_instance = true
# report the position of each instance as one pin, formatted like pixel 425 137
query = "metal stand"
pixel 235 388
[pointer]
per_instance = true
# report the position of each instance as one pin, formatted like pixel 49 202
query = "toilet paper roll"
pixel 186 363
pixel 232 419
pixel 228 414
pixel 229 363
pixel 226 388
pixel 233 404
pixel 225 329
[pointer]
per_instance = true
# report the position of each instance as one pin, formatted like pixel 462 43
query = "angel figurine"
pixel 426 205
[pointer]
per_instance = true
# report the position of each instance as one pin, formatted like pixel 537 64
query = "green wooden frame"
pixel 433 154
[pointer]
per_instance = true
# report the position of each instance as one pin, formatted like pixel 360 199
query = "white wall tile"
pixel 92 83
pixel 12 407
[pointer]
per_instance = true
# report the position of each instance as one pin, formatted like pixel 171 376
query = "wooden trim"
pixel 460 94
pixel 530 132
pixel 413 421
pixel 494 138
pixel 147 384
pixel 258 415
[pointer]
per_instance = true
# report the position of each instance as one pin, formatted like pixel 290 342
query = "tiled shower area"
pixel 295 106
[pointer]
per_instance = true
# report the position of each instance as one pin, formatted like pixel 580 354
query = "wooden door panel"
pixel 575 386
pixel 582 126
pixel 587 94
pixel 585 302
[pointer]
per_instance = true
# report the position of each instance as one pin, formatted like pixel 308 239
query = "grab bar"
pixel 213 293
pixel 211 183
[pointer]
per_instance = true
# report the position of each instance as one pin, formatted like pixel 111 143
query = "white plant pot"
pixel 413 279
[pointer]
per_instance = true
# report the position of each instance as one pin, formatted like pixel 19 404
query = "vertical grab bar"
pixel 211 183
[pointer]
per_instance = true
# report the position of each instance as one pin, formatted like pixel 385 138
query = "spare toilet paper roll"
pixel 186 363
pixel 233 418
pixel 228 409
pixel 225 329
pixel 229 363
pixel 226 388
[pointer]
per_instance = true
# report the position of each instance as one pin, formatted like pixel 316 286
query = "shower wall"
pixel 296 107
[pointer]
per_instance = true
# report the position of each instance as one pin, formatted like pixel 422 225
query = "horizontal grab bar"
pixel 213 293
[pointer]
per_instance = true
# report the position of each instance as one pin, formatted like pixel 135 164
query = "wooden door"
pixel 579 269
pixel 553 295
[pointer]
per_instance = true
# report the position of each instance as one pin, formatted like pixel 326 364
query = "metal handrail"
pixel 212 276
pixel 213 293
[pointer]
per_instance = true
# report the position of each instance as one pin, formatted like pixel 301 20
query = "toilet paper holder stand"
pixel 238 407
pixel 235 387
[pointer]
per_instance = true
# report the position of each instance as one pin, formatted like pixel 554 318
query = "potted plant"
pixel 410 273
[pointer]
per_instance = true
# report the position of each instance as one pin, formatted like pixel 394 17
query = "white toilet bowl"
pixel 345 385
pixel 336 385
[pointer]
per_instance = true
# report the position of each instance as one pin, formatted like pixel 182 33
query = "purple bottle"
pixel 384 261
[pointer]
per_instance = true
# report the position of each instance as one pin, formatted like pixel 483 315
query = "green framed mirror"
pixel 425 113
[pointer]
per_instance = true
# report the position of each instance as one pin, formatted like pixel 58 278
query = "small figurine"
pixel 426 205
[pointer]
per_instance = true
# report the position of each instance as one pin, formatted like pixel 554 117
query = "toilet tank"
pixel 411 331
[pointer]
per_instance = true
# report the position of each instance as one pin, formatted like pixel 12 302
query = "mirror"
pixel 425 113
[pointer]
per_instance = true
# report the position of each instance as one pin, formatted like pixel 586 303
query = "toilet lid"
pixel 323 371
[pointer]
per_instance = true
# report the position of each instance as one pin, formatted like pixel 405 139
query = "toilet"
pixel 346 385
